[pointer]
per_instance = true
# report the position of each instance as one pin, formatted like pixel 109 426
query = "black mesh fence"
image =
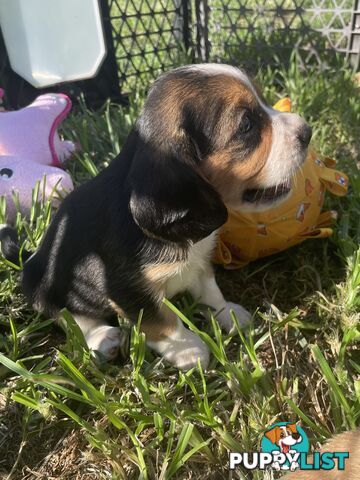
pixel 145 37
pixel 257 33
pixel 148 37
pixel 151 36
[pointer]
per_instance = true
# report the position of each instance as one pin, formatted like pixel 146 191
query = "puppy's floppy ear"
pixel 273 435
pixel 169 199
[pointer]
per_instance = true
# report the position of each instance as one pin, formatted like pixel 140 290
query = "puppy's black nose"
pixel 304 135
pixel 296 435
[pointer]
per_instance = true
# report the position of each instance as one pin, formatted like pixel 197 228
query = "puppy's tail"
pixel 9 246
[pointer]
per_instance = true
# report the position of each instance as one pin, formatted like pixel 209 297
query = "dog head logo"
pixel 285 446
pixel 285 440
pixel 284 437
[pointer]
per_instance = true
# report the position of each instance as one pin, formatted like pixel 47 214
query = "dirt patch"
pixel 47 453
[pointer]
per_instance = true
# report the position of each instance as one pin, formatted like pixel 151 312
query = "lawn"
pixel 62 416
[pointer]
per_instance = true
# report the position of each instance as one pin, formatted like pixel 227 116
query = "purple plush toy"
pixel 31 151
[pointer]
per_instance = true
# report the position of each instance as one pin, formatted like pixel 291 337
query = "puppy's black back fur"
pixel 90 242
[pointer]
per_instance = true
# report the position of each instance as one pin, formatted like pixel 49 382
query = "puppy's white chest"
pixel 188 277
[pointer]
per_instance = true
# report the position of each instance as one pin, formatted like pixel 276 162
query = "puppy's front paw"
pixel 276 466
pixel 107 341
pixel 225 320
pixel 183 349
pixel 294 466
pixel 188 357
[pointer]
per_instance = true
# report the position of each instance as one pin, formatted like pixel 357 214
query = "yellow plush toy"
pixel 250 235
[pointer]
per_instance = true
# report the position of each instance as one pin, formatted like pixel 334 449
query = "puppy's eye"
pixel 245 125
pixel 6 173
pixel 282 434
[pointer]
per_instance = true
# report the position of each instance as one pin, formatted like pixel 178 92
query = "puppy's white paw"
pixel 276 466
pixel 242 315
pixel 294 466
pixel 188 358
pixel 182 349
pixel 107 340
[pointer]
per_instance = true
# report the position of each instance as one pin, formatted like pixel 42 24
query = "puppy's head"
pixel 206 139
pixel 284 436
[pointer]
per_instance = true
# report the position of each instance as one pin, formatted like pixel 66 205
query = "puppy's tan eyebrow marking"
pixel 233 91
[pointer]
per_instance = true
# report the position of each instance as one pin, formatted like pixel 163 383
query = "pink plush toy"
pixel 31 151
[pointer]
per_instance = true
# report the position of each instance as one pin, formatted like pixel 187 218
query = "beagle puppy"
pixel 145 227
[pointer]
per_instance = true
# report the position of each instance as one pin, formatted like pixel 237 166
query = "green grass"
pixel 63 416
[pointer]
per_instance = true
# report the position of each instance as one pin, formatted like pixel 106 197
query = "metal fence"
pixel 145 37
pixel 150 36
pixel 315 29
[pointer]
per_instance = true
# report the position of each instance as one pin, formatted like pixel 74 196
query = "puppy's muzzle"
pixel 296 436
